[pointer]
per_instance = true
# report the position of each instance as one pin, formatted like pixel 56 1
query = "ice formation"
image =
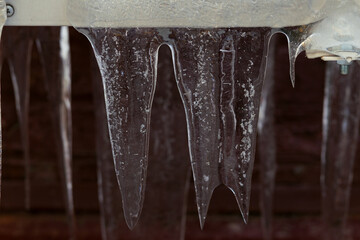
pixel 219 64
pixel 340 134
pixel 219 71
pixel 16 48
pixel 53 45
pixel 127 60
pixel 2 22
pixel 108 189
pixel 167 168
pixel 219 74
pixel 267 144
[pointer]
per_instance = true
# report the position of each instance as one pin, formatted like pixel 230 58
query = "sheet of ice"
pixel 340 137
pixel 54 48
pixel 17 46
pixel 220 74
pixel 128 60
pixel 267 145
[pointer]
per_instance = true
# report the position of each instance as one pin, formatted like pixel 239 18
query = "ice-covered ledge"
pixel 174 13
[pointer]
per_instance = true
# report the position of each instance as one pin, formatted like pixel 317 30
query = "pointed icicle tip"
pixel 131 219
pixel 245 216
pixel 132 208
pixel 292 78
pixel 202 211
pixel 292 71
pixel 203 207
pixel 243 204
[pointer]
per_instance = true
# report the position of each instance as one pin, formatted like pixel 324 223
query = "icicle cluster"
pixel 219 75
pixel 54 49
pixel 341 116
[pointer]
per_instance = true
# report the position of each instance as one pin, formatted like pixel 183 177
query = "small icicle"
pixel 17 46
pixel 341 115
pixel 54 48
pixel 108 189
pixel 196 54
pixel 127 60
pixel 296 38
pixel 267 145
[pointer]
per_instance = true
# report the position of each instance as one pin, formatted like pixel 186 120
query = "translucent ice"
pixel 165 206
pixel 296 39
pixel 220 74
pixel 2 22
pixel 267 145
pixel 340 136
pixel 54 49
pixel 127 60
pixel 198 69
pixel 108 189
pixel 17 46
pixel 167 167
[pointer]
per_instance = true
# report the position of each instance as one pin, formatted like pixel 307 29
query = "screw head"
pixel 9 10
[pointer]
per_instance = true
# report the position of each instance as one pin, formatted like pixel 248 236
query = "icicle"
pixel 168 166
pixel 267 145
pixel 53 45
pixel 127 60
pixel 220 74
pixel 340 136
pixel 296 38
pixel 250 49
pixel 108 190
pixel 197 64
pixel 2 22
pixel 17 46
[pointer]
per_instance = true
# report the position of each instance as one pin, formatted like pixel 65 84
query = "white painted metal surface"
pixel 202 13
pixel 174 13
pixel 38 13
pixel 340 17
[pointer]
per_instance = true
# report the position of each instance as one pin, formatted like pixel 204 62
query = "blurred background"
pixel 297 197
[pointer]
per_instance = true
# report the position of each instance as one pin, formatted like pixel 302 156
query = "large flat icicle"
pixel 220 74
pixel 127 60
pixel 168 167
